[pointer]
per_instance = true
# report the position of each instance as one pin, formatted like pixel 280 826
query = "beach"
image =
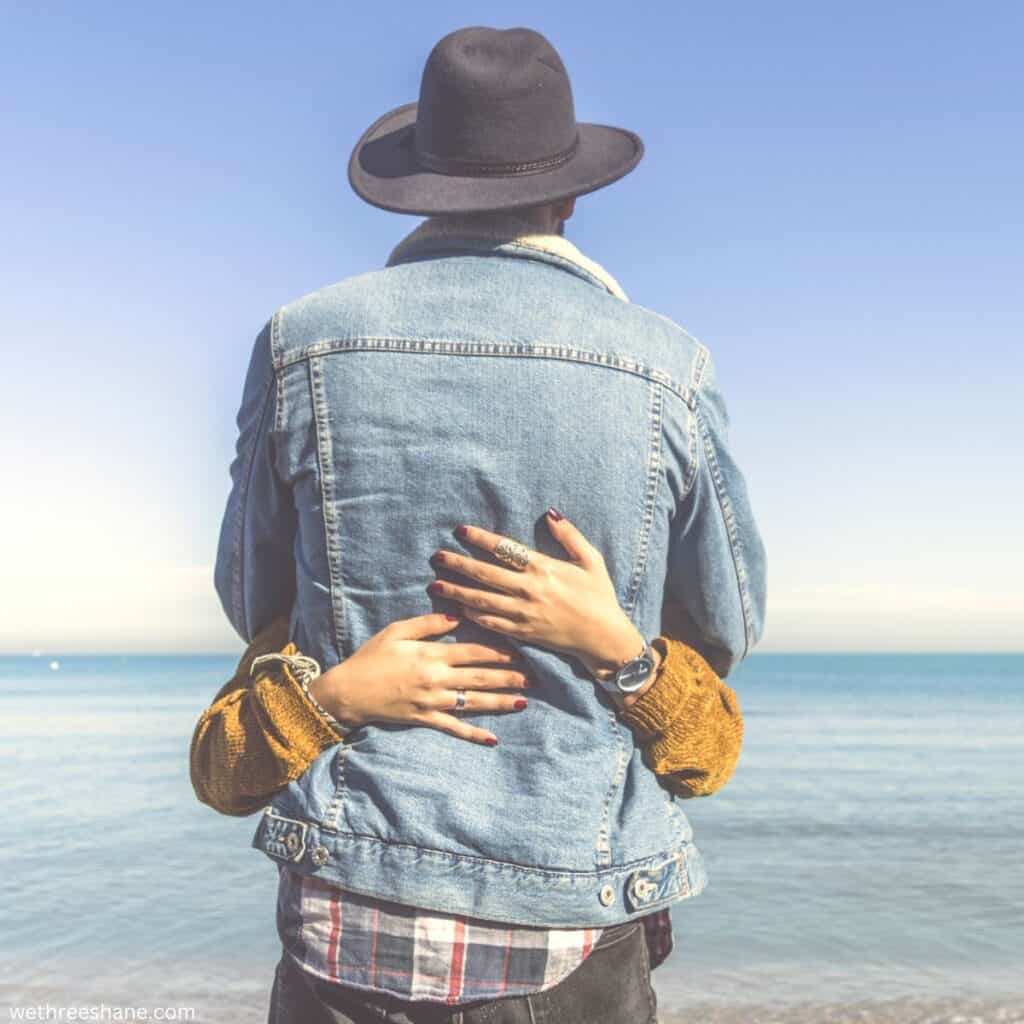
pixel 863 862
pixel 1008 1010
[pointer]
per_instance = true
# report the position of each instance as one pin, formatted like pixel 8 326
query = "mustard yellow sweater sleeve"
pixel 258 734
pixel 262 732
pixel 688 722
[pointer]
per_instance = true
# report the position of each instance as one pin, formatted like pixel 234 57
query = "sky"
pixel 830 198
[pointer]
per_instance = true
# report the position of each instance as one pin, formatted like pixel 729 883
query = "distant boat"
pixel 54 665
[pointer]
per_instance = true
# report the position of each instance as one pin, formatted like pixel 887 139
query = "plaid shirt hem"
pixel 414 954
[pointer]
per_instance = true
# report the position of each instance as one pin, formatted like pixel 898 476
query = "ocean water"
pixel 866 861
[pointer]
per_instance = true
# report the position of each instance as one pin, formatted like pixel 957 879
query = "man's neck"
pixel 503 226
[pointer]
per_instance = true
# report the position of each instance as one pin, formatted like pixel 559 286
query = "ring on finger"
pixel 513 554
pixel 460 700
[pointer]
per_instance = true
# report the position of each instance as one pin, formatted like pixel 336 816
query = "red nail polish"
pixel 491 741
pixel 452 618
pixel 436 588
pixel 519 705
pixel 461 531
pixel 555 514
pixel 439 556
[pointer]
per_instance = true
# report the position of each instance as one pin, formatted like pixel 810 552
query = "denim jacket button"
pixel 641 889
pixel 606 895
pixel 319 855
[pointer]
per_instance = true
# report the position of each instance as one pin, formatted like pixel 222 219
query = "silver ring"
pixel 513 554
pixel 460 699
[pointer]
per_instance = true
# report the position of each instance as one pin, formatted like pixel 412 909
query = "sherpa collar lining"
pixel 502 227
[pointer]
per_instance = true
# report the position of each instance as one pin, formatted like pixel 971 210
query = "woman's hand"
pixel 399 676
pixel 566 606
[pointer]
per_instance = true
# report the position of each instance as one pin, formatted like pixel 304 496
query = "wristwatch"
pixel 630 677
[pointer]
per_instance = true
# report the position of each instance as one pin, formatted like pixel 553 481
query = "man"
pixel 489 372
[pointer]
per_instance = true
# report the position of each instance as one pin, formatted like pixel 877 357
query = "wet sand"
pixel 1008 1010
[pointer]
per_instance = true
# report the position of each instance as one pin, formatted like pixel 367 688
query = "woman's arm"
pixel 688 722
pixel 260 732
pixel 264 729
pixel 686 717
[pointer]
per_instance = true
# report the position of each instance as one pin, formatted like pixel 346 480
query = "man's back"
pixel 477 390
pixel 480 381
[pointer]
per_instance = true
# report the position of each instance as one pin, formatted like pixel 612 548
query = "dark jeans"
pixel 612 986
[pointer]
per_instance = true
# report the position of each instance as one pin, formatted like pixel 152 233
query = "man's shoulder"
pixel 693 352
pixel 361 304
pixel 313 310
pixel 665 347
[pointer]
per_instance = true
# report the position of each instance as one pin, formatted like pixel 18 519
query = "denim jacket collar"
pixel 504 233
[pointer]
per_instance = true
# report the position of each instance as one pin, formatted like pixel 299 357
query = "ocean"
pixel 864 862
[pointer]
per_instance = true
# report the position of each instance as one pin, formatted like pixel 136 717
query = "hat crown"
pixel 494 97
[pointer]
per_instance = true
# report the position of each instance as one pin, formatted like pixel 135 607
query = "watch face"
pixel 634 675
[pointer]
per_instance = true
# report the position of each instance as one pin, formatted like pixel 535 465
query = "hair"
pixel 523 212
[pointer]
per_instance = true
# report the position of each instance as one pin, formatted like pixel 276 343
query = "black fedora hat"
pixel 494 129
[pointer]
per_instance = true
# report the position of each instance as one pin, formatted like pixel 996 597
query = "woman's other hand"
pixel 566 606
pixel 398 675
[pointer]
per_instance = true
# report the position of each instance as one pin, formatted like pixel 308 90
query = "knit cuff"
pixel 700 750
pixel 301 671
pixel 290 710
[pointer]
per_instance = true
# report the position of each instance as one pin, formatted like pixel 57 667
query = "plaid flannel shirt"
pixel 379 946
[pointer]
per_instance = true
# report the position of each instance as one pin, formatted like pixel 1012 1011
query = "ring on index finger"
pixel 512 554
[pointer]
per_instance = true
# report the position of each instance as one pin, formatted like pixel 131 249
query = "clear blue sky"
pixel 830 198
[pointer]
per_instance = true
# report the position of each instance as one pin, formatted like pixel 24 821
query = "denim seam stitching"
pixel 632 592
pixel 237 573
pixel 626 867
pixel 603 848
pixel 275 351
pixel 699 368
pixel 333 809
pixel 279 418
pixel 735 544
pixel 325 451
pixel 696 380
pixel 325 455
pixel 655 421
pixel 380 343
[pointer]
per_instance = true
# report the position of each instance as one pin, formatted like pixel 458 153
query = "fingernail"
pixel 435 588
pixel 491 741
pixel 519 705
pixel 438 556
pixel 452 618
pixel 555 514
pixel 461 531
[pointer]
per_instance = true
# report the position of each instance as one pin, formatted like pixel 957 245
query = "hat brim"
pixel 382 170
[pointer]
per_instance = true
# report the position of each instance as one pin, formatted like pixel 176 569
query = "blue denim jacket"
pixel 480 377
